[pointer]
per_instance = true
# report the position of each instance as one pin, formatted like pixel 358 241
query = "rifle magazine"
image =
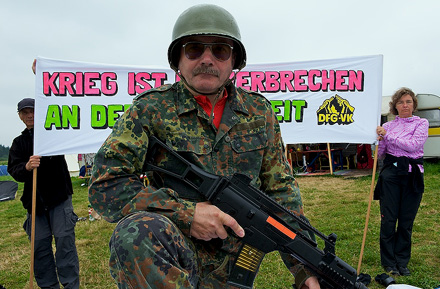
pixel 246 267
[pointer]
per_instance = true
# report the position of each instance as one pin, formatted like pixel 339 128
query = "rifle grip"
pixel 246 267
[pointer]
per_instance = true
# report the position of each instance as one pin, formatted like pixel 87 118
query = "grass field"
pixel 332 203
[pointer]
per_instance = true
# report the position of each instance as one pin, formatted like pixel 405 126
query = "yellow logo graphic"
pixel 335 110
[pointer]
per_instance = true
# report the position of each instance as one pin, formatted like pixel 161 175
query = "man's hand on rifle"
pixel 209 223
pixel 311 283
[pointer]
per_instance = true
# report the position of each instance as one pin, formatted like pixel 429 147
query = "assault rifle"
pixel 263 221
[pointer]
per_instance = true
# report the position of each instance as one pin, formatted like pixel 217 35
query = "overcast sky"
pixel 130 32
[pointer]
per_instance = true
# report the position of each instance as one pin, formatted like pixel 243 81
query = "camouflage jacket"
pixel 248 141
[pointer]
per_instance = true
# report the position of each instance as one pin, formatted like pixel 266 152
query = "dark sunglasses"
pixel 194 50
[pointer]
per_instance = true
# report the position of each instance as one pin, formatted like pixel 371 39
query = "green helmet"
pixel 206 19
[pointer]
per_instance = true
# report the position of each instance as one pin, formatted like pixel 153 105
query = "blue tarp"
pixel 4 170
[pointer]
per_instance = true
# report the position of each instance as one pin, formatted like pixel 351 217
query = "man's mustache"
pixel 205 70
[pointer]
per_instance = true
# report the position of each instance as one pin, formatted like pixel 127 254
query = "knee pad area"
pixel 145 231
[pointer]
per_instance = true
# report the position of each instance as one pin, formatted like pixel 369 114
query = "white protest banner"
pixel 77 103
pixel 332 101
pixel 326 101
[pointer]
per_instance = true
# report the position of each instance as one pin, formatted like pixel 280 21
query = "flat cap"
pixel 26 103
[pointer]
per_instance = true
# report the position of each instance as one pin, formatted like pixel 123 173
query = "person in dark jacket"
pixel 54 215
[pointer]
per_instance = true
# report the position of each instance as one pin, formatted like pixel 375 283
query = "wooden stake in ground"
pixel 330 161
pixel 34 200
pixel 368 210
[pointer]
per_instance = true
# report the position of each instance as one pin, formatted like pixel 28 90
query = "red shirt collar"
pixel 205 103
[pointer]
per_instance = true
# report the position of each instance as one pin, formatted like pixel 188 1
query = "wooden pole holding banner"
pixel 34 200
pixel 330 161
pixel 368 210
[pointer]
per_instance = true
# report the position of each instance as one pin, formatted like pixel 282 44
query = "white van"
pixel 429 108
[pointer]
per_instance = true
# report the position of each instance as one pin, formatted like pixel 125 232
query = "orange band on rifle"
pixel 281 227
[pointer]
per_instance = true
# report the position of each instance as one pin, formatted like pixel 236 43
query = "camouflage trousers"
pixel 147 250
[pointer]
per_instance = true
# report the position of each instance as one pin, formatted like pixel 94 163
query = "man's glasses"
pixel 194 50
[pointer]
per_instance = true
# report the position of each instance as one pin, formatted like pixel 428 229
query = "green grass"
pixel 91 241
pixel 332 203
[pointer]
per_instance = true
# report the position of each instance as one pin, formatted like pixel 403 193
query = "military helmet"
pixel 206 19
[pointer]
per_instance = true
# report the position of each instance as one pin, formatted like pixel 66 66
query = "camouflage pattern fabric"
pixel 248 141
pixel 168 258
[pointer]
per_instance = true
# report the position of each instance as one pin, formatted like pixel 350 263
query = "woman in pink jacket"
pixel 400 185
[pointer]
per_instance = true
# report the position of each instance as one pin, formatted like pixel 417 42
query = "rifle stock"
pixel 263 220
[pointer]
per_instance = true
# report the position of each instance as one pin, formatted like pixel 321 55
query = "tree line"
pixel 4 152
